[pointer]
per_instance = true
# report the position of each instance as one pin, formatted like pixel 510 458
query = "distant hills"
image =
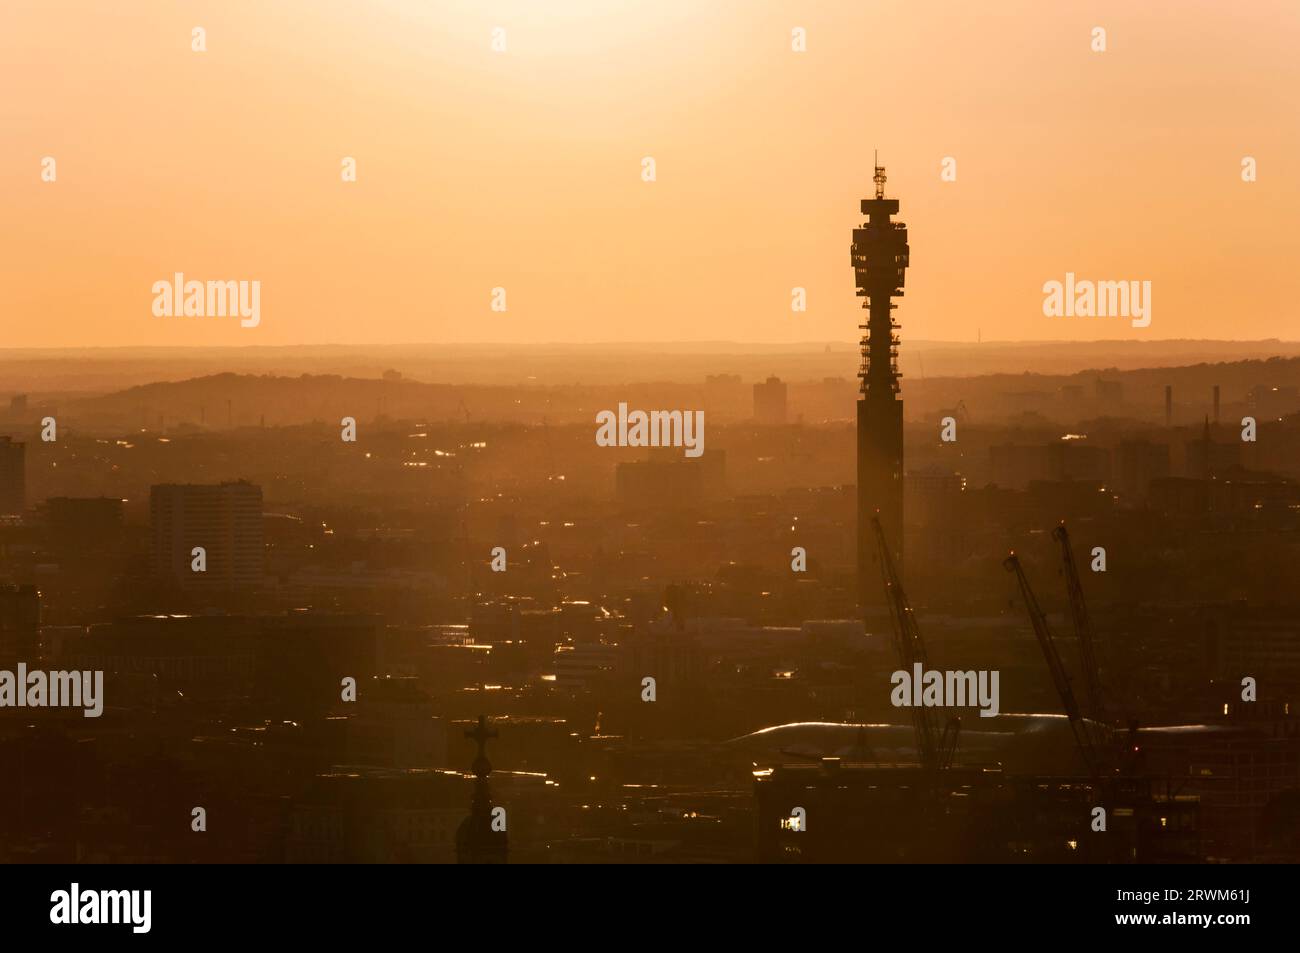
pixel 105 370
pixel 821 388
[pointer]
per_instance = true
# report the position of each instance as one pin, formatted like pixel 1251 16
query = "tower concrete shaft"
pixel 879 256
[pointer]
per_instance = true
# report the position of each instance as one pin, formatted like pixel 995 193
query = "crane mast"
pixel 1059 678
pixel 1082 630
pixel 934 749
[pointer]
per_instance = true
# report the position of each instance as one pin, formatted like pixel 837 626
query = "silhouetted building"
pixel 1260 641
pixel 935 495
pixel 669 655
pixel 13 477
pixel 1185 497
pixel 20 621
pixel 292 664
pixel 879 256
pixel 224 519
pixel 1241 765
pixel 770 402
pixel 1018 466
pixel 145 658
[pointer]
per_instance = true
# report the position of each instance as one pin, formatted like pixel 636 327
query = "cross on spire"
pixel 478 839
pixel 480 733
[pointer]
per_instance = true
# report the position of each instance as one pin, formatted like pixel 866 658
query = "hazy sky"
pixel 522 169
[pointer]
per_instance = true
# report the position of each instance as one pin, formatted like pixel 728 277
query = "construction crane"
pixel 958 413
pixel 1061 680
pixel 934 749
pixel 1082 630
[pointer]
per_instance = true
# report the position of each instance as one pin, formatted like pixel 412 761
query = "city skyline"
pixel 434 432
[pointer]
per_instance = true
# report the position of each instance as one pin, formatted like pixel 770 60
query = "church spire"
pixel 481 837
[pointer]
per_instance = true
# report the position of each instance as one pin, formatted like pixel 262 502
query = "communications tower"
pixel 879 256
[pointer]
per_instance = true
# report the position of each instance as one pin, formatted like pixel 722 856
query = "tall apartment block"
pixel 20 622
pixel 224 519
pixel 13 477
pixel 770 402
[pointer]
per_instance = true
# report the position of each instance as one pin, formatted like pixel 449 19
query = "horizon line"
pixel 847 343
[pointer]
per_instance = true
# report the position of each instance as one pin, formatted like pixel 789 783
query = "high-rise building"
pixel 879 255
pixel 770 402
pixel 20 621
pixel 13 477
pixel 224 519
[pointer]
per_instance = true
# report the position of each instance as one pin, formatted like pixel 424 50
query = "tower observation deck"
pixel 879 255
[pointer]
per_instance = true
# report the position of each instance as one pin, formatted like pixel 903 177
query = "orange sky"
pixel 522 169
